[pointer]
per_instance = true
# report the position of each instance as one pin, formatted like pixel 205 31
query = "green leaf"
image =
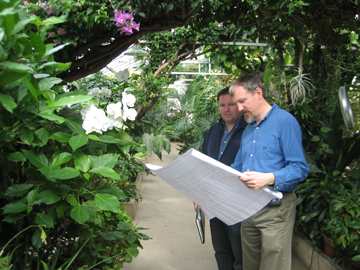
pixel 38 159
pixel 48 83
pixel 62 206
pixel 16 156
pixel 92 209
pixel 26 135
pixel 44 220
pixel 36 239
pixel 82 162
pixel 133 251
pixel 11 218
pixel 325 129
pixel 46 267
pixel 315 138
pixel 61 137
pixel 68 100
pixel 66 173
pixel 108 139
pixel 9 21
pixel 15 207
pixel 78 141
pixel 21 25
pixel 79 214
pixel 49 171
pixel 37 43
pixel 62 190
pixel 93 137
pixel 55 49
pixel 30 86
pixel 120 195
pixel 107 202
pixel 131 238
pixel 75 124
pixel 125 138
pixel 356 258
pixel 47 197
pixel 8 76
pixel 113 235
pixel 31 197
pixel 52 117
pixel 108 160
pixel 61 159
pixel 106 172
pixel 8 102
pixel 228 64
pixel 20 68
pixel 43 136
pixel 18 189
pixel 53 20
pixel 71 200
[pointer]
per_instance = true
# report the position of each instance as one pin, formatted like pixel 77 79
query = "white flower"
pixel 91 125
pixel 129 114
pixel 118 122
pixel 94 113
pixel 114 109
pixel 128 99
pixel 106 123
pixel 95 92
pixel 105 92
pixel 122 75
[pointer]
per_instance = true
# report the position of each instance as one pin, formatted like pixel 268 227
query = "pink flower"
pixel 136 26
pixel 61 31
pixel 26 3
pixel 44 5
pixel 121 17
pixel 127 29
pixel 51 35
pixel 50 11
pixel 56 42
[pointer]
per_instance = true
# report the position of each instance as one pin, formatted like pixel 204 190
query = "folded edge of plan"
pixel 214 186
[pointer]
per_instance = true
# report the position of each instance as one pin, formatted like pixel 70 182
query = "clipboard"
pixel 200 224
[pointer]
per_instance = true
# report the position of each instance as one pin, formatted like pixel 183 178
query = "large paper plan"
pixel 214 186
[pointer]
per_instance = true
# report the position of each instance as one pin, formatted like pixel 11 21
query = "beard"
pixel 250 118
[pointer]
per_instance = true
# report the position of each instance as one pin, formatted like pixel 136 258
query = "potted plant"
pixel 343 224
pixel 329 153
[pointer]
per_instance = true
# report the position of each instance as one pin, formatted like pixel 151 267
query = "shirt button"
pixel 248 170
pixel 251 155
pixel 253 141
pixel 222 152
pixel 224 141
pixel 277 187
pixel 257 127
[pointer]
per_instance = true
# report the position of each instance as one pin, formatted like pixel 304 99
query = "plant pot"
pixel 329 249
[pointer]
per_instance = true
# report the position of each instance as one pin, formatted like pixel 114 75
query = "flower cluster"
pixel 125 21
pixel 96 120
pixel 100 93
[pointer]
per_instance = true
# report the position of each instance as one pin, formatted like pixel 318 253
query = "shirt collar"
pixel 236 124
pixel 274 106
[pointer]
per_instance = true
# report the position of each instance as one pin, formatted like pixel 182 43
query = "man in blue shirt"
pixel 271 154
pixel 222 142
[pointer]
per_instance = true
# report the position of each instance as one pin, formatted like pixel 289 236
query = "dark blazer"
pixel 212 141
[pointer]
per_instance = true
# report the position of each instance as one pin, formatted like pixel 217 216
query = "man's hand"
pixel 257 180
pixel 195 206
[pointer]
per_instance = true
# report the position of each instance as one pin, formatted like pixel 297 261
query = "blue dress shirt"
pixel 274 146
pixel 227 136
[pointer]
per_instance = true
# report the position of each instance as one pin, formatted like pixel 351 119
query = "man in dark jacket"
pixel 222 142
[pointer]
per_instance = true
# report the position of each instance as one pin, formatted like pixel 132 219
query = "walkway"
pixel 170 217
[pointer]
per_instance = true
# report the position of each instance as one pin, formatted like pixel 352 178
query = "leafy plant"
pixel 343 224
pixel 299 85
pixel 60 193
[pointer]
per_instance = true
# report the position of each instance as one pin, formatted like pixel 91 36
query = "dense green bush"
pixel 59 191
